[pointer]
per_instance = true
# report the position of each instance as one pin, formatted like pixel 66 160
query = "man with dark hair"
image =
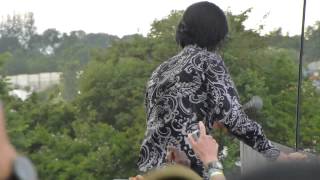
pixel 203 24
pixel 196 85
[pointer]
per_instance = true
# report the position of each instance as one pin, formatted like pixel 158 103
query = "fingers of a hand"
pixel 168 157
pixel 283 157
pixel 216 145
pixel 191 140
pixel 184 162
pixel 174 153
pixel 180 155
pixel 175 150
pixel 202 129
pixel 213 140
pixel 171 148
pixel 139 177
pixel 297 156
pixel 170 151
pixel 210 138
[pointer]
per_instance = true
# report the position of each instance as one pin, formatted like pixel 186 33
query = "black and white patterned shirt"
pixel 194 85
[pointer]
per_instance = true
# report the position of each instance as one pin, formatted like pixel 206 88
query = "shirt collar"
pixel 194 47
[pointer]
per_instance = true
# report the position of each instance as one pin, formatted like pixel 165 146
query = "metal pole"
pixel 298 107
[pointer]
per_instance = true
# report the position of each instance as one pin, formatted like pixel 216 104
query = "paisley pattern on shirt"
pixel 191 86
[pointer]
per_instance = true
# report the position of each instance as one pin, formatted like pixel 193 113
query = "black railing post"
pixel 298 107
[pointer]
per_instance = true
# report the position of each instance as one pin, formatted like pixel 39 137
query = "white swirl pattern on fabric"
pixel 191 86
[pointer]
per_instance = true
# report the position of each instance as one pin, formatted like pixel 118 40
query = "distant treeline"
pixel 27 51
pixel 91 125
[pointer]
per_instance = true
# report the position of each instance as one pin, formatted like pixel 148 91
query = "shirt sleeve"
pixel 223 101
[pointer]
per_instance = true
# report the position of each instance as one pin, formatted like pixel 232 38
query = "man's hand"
pixel 206 148
pixel 174 155
pixel 138 177
pixel 296 156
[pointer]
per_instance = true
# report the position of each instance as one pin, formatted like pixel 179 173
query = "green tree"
pixel 70 77
pixel 112 90
pixel 97 134
pixel 312 43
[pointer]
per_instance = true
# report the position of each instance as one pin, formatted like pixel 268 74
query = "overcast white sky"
pixel 121 17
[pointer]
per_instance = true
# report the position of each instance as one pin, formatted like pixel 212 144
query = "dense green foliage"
pixel 95 129
pixel 46 52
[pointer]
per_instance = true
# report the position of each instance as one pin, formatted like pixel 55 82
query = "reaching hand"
pixel 206 148
pixel 7 152
pixel 174 155
pixel 297 156
pixel 138 177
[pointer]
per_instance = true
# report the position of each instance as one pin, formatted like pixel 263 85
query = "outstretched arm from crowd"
pixel 7 151
pixel 206 148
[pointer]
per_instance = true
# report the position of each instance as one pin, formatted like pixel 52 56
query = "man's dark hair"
pixel 203 24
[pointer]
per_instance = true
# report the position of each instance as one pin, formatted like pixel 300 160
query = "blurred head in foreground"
pixel 174 172
pixel 203 24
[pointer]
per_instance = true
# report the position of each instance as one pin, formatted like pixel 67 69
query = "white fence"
pixel 34 82
pixel 251 159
